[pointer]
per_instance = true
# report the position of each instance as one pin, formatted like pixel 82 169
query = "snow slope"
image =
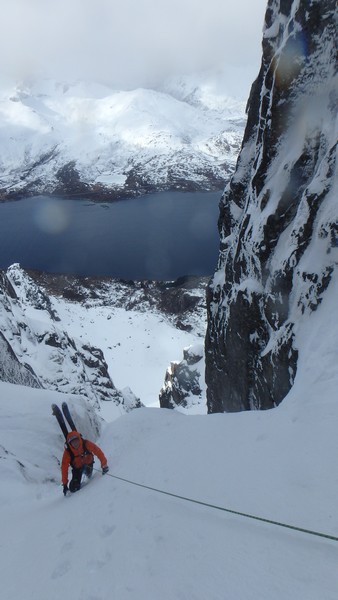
pixel 116 540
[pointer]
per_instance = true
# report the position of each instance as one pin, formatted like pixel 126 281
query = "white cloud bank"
pixel 127 43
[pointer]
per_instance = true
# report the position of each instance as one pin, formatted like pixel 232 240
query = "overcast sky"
pixel 128 43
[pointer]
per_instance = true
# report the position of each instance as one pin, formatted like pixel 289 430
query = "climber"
pixel 79 454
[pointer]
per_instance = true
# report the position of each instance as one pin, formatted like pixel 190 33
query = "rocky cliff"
pixel 279 215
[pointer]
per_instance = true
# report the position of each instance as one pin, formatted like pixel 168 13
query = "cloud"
pixel 127 42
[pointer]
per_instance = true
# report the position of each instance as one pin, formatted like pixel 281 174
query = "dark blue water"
pixel 160 236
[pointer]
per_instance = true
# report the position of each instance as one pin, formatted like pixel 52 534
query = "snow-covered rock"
pixel 90 139
pixel 279 219
pixel 12 370
pixel 184 382
pixel 38 352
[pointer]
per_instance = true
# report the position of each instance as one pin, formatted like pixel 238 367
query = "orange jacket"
pixel 80 456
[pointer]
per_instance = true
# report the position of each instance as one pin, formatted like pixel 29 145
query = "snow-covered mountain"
pixel 279 214
pixel 85 138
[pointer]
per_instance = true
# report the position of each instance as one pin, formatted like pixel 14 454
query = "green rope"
pixel 228 510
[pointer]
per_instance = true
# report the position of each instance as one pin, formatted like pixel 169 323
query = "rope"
pixel 228 510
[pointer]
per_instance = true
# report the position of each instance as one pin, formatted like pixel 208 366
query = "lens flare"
pixel 53 217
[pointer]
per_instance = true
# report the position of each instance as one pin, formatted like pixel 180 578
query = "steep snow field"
pixel 116 540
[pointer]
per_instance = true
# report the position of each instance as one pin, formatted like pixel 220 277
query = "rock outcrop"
pixel 279 214
pixel 184 381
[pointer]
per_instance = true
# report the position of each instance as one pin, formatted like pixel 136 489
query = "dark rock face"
pixel 278 215
pixel 182 385
pixel 69 181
